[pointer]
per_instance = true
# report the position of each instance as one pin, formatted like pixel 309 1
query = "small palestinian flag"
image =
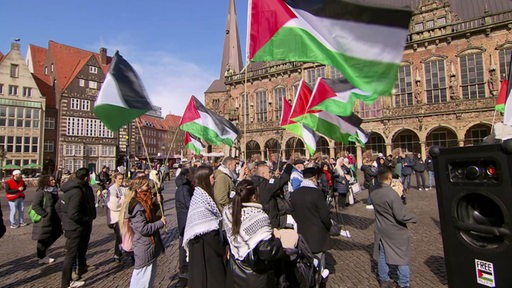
pixel 122 96
pixel 207 125
pixel 193 144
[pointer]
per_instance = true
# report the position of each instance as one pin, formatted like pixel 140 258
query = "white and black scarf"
pixel 203 216
pixel 254 227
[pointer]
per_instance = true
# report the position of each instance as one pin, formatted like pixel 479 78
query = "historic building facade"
pixel 22 111
pixel 455 56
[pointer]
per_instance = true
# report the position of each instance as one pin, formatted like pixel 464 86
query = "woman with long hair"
pixel 49 228
pixel 253 247
pixel 147 243
pixel 202 239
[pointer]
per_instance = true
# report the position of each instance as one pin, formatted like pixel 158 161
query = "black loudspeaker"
pixel 474 195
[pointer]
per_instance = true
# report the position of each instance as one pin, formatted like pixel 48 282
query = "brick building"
pixel 457 51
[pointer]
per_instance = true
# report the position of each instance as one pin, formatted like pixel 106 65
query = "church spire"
pixel 232 54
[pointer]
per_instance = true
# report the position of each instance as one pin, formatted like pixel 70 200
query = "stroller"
pixel 307 268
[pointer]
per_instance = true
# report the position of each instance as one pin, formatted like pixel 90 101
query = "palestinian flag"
pixel 502 97
pixel 364 43
pixel 193 144
pixel 207 125
pixel 307 134
pixel 122 96
pixel 343 129
pixel 335 96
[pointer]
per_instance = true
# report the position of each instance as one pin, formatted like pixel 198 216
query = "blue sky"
pixel 175 46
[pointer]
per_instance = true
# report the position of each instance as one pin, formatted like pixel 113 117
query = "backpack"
pixel 127 236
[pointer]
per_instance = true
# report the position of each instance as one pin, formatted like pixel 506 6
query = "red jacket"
pixel 11 189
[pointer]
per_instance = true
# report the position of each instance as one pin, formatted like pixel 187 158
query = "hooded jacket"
pixel 77 208
pixel 144 250
pixel 184 193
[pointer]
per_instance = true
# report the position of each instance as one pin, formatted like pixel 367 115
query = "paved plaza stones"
pixel 349 258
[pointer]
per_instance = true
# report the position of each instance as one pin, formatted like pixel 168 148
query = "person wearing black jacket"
pixel 419 170
pixel 429 165
pixel 184 193
pixel 270 189
pixel 77 212
pixel 312 215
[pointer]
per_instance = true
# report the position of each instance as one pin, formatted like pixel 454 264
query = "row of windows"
pixel 18 144
pixel 437 82
pixel 13 90
pixel 91 84
pixel 19 117
pixel 20 162
pixel 87 127
pixel 89 150
pixel 72 165
pixel 80 104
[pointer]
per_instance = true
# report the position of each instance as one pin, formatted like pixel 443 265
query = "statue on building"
pixel 494 82
pixel 418 94
pixel 453 88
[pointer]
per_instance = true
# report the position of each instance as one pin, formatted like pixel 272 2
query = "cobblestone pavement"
pixel 349 259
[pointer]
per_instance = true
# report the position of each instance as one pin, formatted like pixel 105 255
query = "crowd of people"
pixel 257 224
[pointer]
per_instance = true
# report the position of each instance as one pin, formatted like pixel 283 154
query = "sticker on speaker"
pixel 485 273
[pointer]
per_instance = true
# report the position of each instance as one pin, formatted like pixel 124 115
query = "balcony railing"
pixel 283 67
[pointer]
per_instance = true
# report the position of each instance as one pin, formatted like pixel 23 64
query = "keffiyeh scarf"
pixel 203 216
pixel 254 227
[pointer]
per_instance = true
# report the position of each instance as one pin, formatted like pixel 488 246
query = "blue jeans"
pixel 144 277
pixel 16 206
pixel 404 274
pixel 430 178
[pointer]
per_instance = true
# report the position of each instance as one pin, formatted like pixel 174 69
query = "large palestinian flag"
pixel 122 96
pixel 207 125
pixel 364 43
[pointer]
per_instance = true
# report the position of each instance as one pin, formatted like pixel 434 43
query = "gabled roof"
pixel 150 121
pixel 37 61
pixel 68 61
pixel 172 121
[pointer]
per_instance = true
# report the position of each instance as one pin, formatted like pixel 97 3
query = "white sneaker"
pixel 46 260
pixel 420 189
pixel 369 207
pixel 76 284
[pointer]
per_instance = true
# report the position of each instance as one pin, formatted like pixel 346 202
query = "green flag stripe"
pixel 205 133
pixel 114 117
pixel 380 81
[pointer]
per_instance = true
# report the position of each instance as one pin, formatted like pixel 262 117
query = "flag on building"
pixel 207 125
pixel 336 96
pixel 307 134
pixel 193 144
pixel 502 97
pixel 365 43
pixel 122 96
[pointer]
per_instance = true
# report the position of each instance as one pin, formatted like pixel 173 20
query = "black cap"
pixel 310 172
pixel 298 161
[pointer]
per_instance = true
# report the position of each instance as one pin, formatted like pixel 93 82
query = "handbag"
pixel 33 214
pixel 350 197
pixel 127 236
pixel 355 188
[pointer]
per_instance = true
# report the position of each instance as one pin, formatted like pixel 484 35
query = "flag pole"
pixel 245 101
pixel 172 143
pixel 147 156
pixel 493 121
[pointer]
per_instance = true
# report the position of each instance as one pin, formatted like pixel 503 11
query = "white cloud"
pixel 168 80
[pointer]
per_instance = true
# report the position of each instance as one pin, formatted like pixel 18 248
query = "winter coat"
pixel 370 175
pixel 12 191
pixel 407 165
pixel 223 186
pixel 114 203
pixel 256 269
pixel 77 206
pixel 391 220
pixel 50 224
pixel 144 250
pixel 429 163
pixel 340 181
pixel 269 191
pixel 312 216
pixel 419 165
pixel 184 193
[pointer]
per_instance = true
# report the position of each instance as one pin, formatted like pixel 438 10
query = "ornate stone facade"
pixel 445 93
